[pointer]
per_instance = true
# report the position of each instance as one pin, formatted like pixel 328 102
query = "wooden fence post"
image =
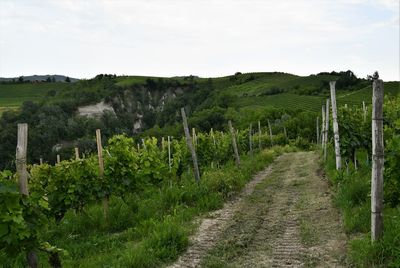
pixel 326 128
pixel 22 146
pixel 235 148
pixel 22 175
pixel 191 146
pixel 101 172
pixel 377 161
pixel 323 128
pixel 194 136
pixel 144 144
pixel 335 125
pixel 58 159
pixel 169 153
pixel 259 135
pixel 364 111
pixel 41 161
pixel 250 139
pixel 270 133
pixel 76 153
pixel 213 137
pixel 317 129
pixel 284 132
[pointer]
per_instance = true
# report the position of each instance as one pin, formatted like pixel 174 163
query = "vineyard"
pixel 143 189
pixel 133 203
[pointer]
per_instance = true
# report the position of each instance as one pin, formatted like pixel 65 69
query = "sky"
pixel 208 38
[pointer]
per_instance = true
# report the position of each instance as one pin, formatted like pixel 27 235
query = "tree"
pixel 67 80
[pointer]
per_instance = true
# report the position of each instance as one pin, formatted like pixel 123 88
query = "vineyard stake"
pixel 317 129
pixel 169 153
pixel 259 135
pixel 101 171
pixel 270 133
pixel 190 145
pixel 194 137
pixel 335 126
pixel 22 175
pixel 234 145
pixel 250 142
pixel 22 145
pixel 326 128
pixel 364 111
pixel 76 153
pixel 323 128
pixel 143 144
pixel 213 137
pixel 377 161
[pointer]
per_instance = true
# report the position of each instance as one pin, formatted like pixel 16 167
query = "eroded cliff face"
pixel 140 102
pixel 95 110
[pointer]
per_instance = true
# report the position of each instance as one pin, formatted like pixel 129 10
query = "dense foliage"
pixel 73 185
pixel 353 185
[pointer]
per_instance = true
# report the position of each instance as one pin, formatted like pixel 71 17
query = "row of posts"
pixel 377 149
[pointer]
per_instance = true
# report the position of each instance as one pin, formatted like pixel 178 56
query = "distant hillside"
pixel 69 113
pixel 39 78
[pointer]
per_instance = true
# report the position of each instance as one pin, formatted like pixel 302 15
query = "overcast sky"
pixel 206 38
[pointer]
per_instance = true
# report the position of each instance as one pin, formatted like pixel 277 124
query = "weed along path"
pixel 283 218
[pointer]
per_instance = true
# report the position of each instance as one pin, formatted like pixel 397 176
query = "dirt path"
pixel 284 218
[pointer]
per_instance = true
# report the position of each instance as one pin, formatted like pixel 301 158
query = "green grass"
pixel 248 93
pixel 152 227
pixel 355 98
pixel 13 95
pixel 353 198
pixel 124 81
pixel 285 100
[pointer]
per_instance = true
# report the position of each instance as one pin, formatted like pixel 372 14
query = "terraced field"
pixel 285 100
pixel 13 95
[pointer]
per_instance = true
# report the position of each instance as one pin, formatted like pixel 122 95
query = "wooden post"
pixel 101 171
pixel 259 135
pixel 284 132
pixel 76 153
pixel 213 137
pixel 250 141
pixel 326 128
pixel 355 160
pixel 162 144
pixel 144 144
pixel 22 175
pixel 270 132
pixel 323 128
pixel 22 146
pixel 58 159
pixel 41 161
pixel 335 125
pixel 190 145
pixel 169 153
pixel 377 161
pixel 235 148
pixel 364 111
pixel 317 129
pixel 194 136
